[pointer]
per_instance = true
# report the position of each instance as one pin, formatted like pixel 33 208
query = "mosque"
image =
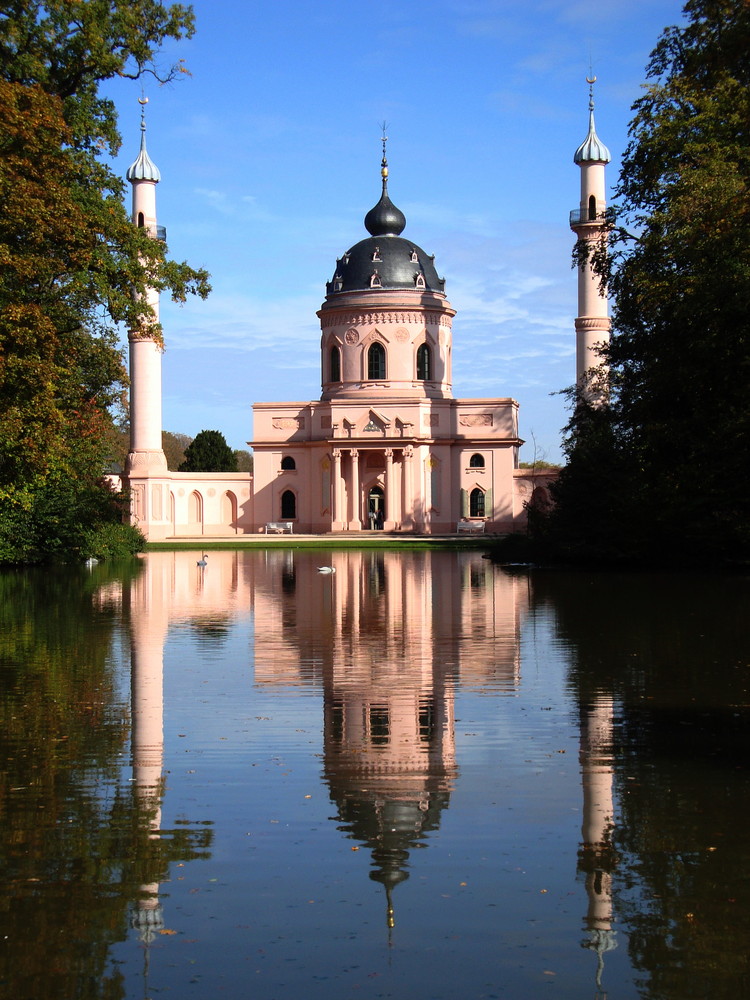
pixel 386 446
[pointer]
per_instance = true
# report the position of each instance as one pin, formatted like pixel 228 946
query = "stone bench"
pixel 278 527
pixel 470 527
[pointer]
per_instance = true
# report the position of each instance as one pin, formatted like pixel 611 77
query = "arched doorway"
pixel 376 508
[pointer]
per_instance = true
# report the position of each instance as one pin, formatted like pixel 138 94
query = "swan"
pixel 326 569
pixel 203 562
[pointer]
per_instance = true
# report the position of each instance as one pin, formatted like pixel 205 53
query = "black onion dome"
pixel 385 262
pixel 385 219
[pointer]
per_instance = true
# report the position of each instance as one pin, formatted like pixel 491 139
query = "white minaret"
pixel 589 222
pixel 146 457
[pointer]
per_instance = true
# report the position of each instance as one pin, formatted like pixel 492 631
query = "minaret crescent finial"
pixel 591 80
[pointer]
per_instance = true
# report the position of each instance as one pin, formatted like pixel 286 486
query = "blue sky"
pixel 270 156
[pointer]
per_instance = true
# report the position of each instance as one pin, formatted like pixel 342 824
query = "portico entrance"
pixel 375 508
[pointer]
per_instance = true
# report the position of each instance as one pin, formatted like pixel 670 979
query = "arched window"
pixel 376 361
pixel 229 509
pixel 288 505
pixel 592 208
pixel 424 363
pixel 195 508
pixel 335 364
pixel 476 503
pixel 288 463
pixel 141 220
pixel 476 462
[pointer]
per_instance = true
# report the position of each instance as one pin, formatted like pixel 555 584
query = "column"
pixel 336 491
pixel 407 511
pixel 392 515
pixel 356 522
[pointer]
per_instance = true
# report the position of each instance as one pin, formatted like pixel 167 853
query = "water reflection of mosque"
pixel 387 637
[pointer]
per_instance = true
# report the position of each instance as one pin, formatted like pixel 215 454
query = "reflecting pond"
pixel 418 776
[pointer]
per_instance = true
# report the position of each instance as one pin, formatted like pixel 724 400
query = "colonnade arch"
pixel 382 475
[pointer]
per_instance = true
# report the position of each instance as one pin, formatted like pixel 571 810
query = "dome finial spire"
pixel 384 161
pixel 384 219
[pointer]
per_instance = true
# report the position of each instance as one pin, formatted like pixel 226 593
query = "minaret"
pixel 590 223
pixel 146 457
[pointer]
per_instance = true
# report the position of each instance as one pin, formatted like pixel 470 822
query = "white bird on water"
pixel 326 569
pixel 203 562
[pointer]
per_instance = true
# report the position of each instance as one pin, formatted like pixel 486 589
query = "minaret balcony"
pixel 581 216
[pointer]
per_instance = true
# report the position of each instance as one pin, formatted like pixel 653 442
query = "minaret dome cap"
pixel 592 149
pixel 143 167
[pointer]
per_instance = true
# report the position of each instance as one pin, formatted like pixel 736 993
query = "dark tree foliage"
pixel 669 462
pixel 72 266
pixel 209 452
pixel 77 840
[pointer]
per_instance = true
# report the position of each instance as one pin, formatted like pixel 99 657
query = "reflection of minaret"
pixel 597 857
pixel 148 632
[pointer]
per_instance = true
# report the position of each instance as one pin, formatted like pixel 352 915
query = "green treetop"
pixel 72 266
pixel 209 452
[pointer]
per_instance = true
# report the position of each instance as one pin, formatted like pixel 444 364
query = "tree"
pixel 678 268
pixel 244 460
pixel 209 452
pixel 72 266
pixel 174 446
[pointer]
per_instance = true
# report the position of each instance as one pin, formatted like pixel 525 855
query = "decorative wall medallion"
pixel 212 492
pixel 351 337
pixel 476 420
pixel 180 492
pixel 288 423
pixel 402 335
pixel 431 420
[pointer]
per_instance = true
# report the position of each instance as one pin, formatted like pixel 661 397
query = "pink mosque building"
pixel 386 445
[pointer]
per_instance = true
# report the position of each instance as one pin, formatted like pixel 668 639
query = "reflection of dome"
pixel 148 919
pixel 389 824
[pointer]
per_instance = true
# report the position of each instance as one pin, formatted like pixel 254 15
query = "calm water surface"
pixel 417 777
